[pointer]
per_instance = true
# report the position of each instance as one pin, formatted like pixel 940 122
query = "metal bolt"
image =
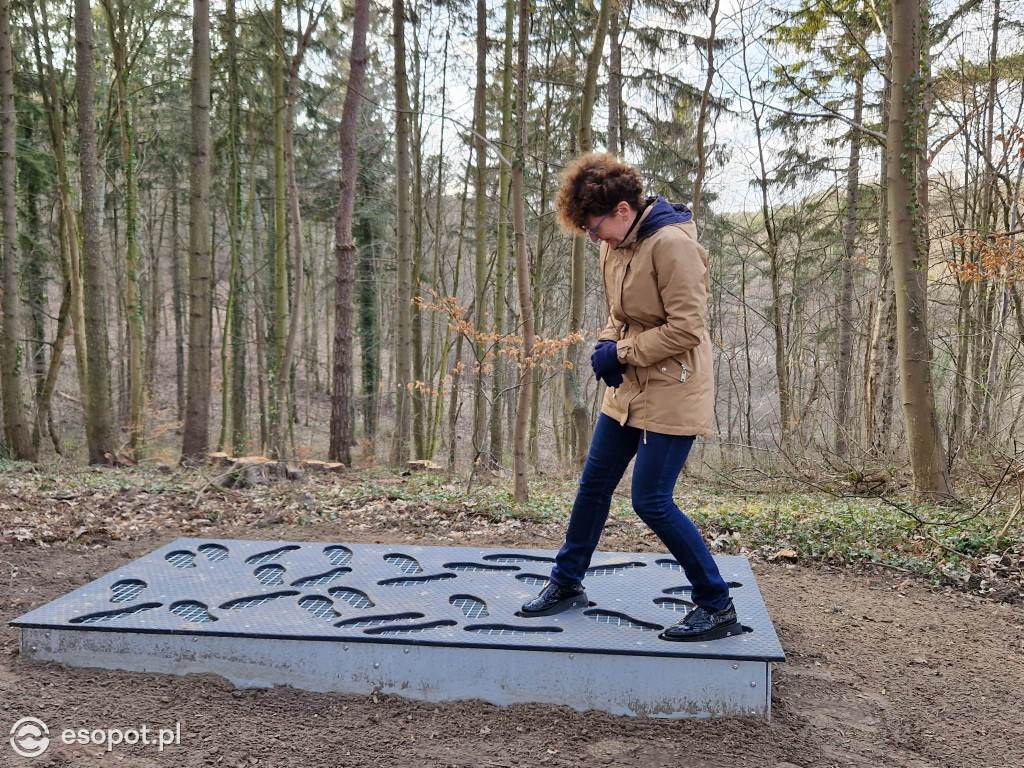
pixel 735 666
pixel 344 647
pixel 753 684
pixel 405 651
pixel 376 665
pixel 571 657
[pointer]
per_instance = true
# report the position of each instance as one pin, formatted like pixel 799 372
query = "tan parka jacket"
pixel 657 291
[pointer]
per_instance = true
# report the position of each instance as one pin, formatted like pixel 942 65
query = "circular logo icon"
pixel 30 737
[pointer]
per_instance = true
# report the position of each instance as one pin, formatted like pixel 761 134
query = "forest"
pixel 325 230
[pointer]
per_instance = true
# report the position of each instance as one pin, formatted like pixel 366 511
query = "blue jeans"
pixel 658 464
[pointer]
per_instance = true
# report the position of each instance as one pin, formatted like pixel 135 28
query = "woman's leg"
pixel 658 464
pixel 611 449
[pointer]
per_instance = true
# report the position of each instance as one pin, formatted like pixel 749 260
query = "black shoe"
pixel 701 624
pixel 555 598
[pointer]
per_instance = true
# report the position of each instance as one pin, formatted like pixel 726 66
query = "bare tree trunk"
pixel 499 382
pixel 906 133
pixel 480 233
pixel 988 224
pixel 196 438
pixel 844 374
pixel 68 222
pixel 403 331
pixel 878 384
pixel 344 248
pixel 615 80
pixel 278 447
pixel 572 379
pixel 278 373
pixel 521 489
pixel 133 306
pixel 19 437
pixel 702 115
pixel 236 302
pixel 771 248
pixel 99 416
pixel 178 298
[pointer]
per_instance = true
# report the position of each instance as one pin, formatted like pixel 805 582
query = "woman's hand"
pixel 606 364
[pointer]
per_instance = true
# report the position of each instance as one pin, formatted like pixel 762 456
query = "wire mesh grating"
pixel 127 590
pixel 269 574
pixel 471 607
pixel 405 564
pixel 353 597
pixel 274 554
pixel 181 559
pixel 192 611
pixel 621 620
pixel 338 555
pixel 320 607
pixel 214 552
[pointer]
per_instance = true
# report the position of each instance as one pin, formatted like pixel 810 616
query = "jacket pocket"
pixel 678 368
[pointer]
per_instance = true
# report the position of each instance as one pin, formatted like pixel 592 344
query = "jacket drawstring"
pixel 647 381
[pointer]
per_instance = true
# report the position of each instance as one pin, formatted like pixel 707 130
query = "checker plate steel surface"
pixel 402 594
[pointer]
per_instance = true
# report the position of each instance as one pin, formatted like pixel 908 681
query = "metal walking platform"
pixel 429 623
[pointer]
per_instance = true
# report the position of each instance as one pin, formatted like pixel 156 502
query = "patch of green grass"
pixel 819 527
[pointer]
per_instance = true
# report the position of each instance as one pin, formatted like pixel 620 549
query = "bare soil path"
pixel 881 671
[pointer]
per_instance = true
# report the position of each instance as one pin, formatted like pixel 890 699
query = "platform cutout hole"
pixel 404 563
pixel 353 597
pixel 507 629
pixel 685 589
pixel 192 610
pixel 270 555
pixel 376 621
pixel 486 567
pixel 338 555
pixel 517 558
pixel 96 618
pixel 323 578
pixel 270 575
pixel 673 604
pixel 255 601
pixel 532 578
pixel 471 607
pixel 410 630
pixel 181 559
pixel 214 552
pixel 612 568
pixel 126 590
pixel 320 607
pixel 412 581
pixel 617 619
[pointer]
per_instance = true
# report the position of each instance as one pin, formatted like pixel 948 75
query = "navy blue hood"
pixel 662 214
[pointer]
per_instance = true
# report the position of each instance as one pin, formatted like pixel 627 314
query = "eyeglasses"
pixel 593 231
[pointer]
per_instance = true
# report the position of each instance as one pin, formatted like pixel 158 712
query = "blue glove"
pixel 606 364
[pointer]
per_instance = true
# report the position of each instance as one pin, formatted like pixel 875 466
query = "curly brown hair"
pixel 592 185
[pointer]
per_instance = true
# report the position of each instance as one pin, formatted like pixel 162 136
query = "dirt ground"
pixel 881 671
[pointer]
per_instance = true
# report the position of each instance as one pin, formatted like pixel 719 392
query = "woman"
pixel 655 356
